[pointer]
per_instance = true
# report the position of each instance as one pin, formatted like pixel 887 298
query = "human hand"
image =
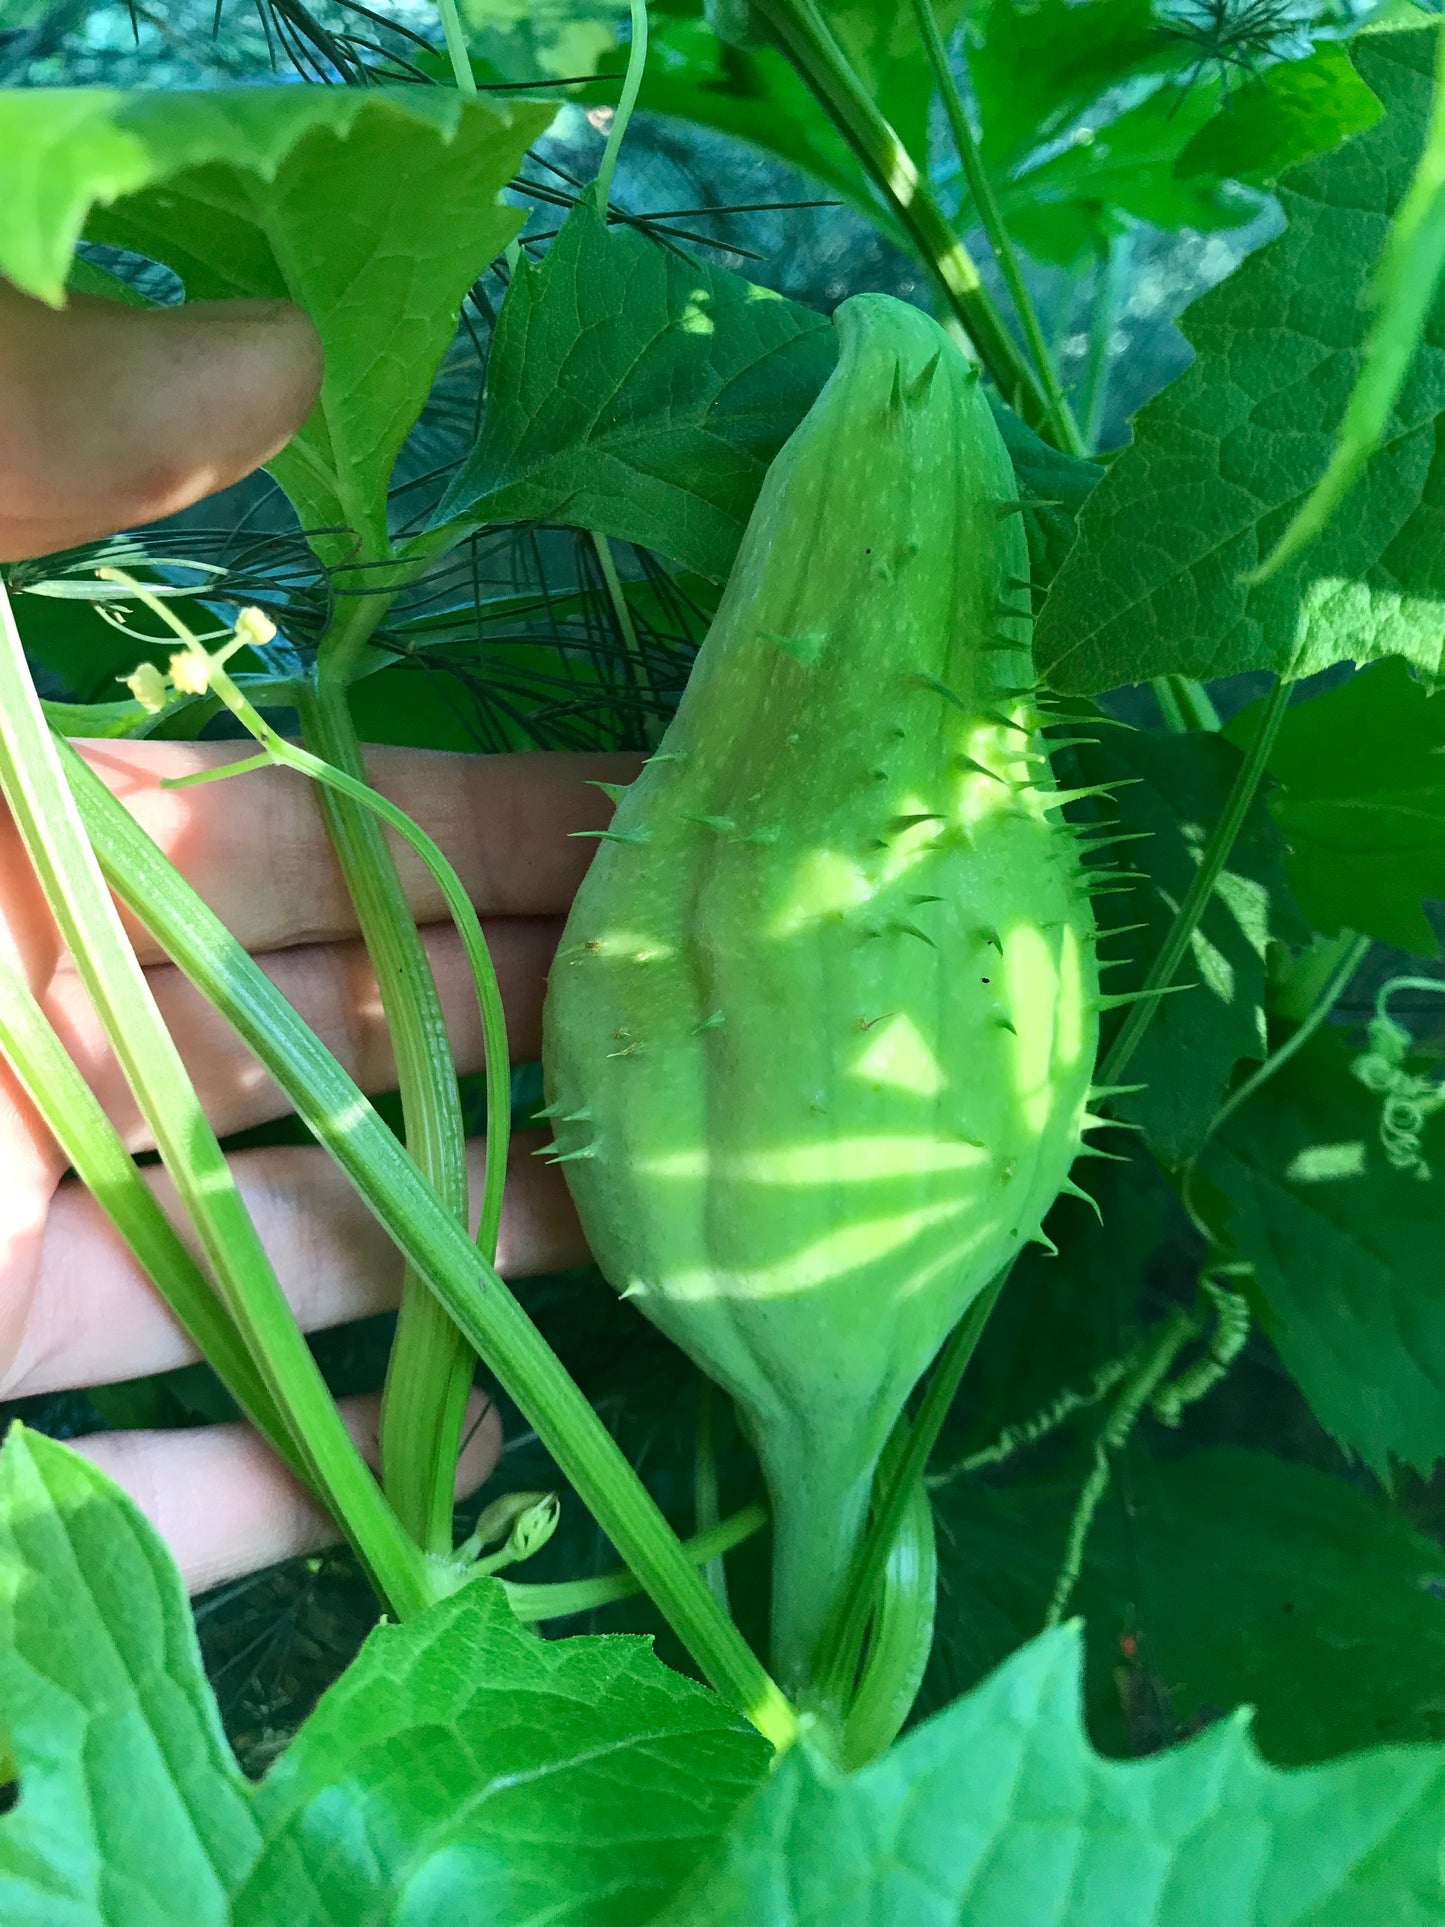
pixel 109 417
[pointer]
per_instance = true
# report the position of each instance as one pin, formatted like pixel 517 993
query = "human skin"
pixel 110 417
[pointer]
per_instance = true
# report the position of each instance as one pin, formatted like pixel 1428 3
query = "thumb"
pixel 113 415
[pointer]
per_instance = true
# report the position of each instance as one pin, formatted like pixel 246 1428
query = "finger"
pixel 94 1318
pixel 332 989
pixel 256 848
pixel 112 415
pixel 224 1503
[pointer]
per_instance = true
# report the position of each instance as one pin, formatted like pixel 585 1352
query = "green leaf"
pixel 1361 804
pixel 635 392
pixel 1401 294
pixel 1228 1576
pixel 1239 1577
pixel 997 1812
pixel 1173 792
pixel 463 1769
pixel 373 210
pixel 1066 208
pixel 132 1812
pixel 1036 69
pixel 1345 1250
pixel 1222 458
pixel 1282 117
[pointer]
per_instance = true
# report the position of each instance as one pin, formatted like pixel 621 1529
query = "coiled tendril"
pixel 1409 1099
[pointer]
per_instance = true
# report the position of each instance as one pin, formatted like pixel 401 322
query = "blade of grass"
pixel 72 1114
pixel 45 814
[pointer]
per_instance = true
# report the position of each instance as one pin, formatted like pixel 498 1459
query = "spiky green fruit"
pixel 827 996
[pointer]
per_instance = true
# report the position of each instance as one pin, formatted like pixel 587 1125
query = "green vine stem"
pixel 705 1486
pixel 92 1145
pixel 33 776
pixel 433 1242
pixel 199 672
pixel 430 1372
pixel 1017 1438
pixel 1215 855
pixel 1065 429
pixel 807 40
pixel 1347 961
pixel 1184 705
pixel 1110 276
pixel 836 1661
pixel 626 103
pixel 533 1603
pixel 456 40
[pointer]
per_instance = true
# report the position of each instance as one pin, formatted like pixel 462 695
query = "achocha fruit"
pixel 821 1027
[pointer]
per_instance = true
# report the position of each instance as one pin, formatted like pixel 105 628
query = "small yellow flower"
pixel 148 686
pixel 191 671
pixel 254 628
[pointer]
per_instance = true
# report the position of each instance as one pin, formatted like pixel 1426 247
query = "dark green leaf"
pixel 632 391
pixel 1222 458
pixel 1243 1578
pixel 1055 485
pixel 1036 69
pixel 1361 803
pixel 373 210
pixel 1173 791
pixel 1225 1576
pixel 997 1813
pixel 1346 1253
pixel 132 1812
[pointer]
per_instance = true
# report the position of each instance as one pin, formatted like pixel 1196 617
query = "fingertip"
pixel 264 354
pixel 226 1506
pixel 112 416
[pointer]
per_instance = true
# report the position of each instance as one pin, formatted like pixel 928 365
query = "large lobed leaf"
pixel 373 210
pixel 1221 460
pixel 462 1771
pixel 998 1813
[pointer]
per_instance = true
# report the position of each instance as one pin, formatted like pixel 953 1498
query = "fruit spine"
pixel 819 1035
